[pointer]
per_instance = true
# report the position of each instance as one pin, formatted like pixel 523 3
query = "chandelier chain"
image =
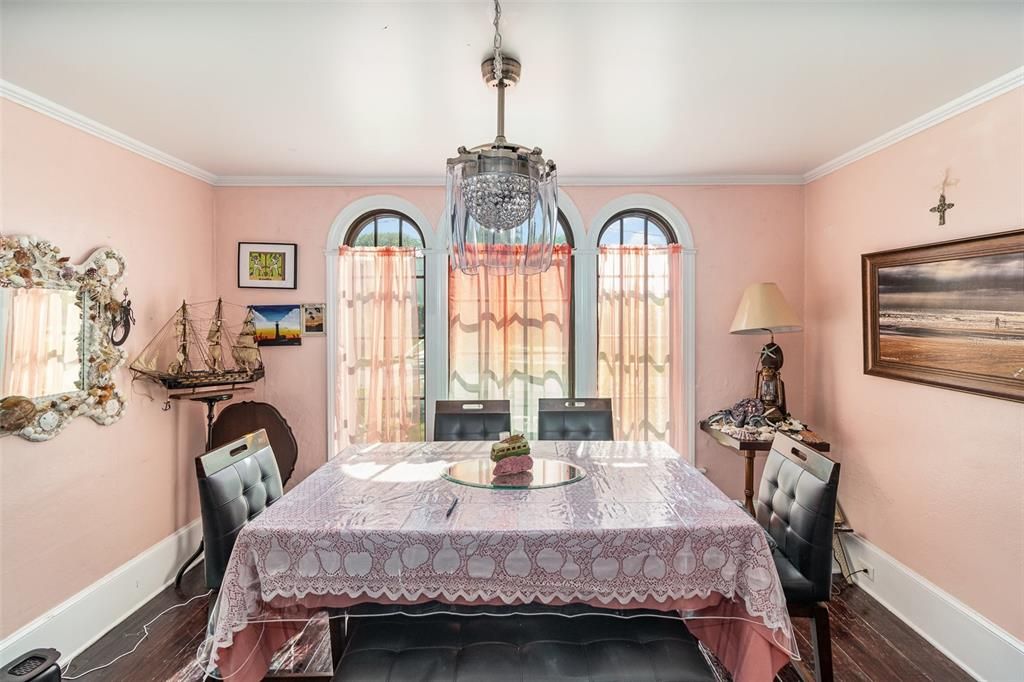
pixel 497 43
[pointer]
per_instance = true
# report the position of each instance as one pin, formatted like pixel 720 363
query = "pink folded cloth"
pixel 513 465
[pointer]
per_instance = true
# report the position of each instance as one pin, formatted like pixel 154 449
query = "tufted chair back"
pixel 471 419
pixel 797 506
pixel 237 481
pixel 579 419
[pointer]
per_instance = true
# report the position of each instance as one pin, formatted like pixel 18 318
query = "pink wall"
pixel 742 235
pixel 931 476
pixel 77 507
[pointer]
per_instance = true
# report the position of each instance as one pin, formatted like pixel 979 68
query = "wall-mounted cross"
pixel 944 205
pixel 941 209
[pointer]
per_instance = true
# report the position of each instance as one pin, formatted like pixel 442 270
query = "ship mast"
pixel 245 351
pixel 182 364
pixel 215 361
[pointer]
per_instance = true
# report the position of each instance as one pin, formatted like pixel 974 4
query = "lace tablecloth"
pixel 642 529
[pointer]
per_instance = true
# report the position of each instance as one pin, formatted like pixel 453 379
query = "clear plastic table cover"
pixel 643 529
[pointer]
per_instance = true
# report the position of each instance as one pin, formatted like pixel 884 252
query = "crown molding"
pixel 677 180
pixel 991 90
pixel 328 181
pixel 35 102
pixel 438 180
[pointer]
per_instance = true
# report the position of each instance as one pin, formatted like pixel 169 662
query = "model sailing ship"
pixel 180 356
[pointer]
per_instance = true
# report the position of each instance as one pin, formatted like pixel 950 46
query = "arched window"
pixel 381 311
pixel 510 336
pixel 640 326
pixel 635 228
pixel 384 228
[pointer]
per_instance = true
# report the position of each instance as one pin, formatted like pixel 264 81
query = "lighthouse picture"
pixel 278 325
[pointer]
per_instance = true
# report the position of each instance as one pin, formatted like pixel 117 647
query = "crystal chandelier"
pixel 502 198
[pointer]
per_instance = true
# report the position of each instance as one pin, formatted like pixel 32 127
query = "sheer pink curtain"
pixel 378 388
pixel 509 337
pixel 640 341
pixel 40 343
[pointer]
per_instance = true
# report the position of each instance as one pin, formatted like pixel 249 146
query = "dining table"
pixel 638 527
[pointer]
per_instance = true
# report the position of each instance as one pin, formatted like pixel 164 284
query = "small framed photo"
pixel 278 325
pixel 263 265
pixel 313 319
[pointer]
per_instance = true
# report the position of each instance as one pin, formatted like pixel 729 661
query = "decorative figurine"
pixel 124 318
pixel 768 385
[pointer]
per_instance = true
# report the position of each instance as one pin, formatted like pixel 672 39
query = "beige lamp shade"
pixel 764 308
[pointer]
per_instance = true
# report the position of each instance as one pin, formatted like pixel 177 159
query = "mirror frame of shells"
pixel 31 262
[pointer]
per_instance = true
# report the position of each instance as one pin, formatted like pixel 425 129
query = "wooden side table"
pixel 749 449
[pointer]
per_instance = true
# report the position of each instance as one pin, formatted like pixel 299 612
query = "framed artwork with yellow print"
pixel 263 265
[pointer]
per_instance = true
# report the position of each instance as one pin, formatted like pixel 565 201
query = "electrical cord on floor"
pixel 145 634
pixel 836 591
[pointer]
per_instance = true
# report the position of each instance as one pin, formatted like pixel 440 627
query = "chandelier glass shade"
pixel 503 206
pixel 502 198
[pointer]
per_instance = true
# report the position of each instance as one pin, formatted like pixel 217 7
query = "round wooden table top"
pixel 238 419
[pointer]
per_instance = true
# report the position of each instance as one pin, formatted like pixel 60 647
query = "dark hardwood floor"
pixel 868 643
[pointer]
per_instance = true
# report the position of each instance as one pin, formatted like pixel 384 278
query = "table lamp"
pixel 763 309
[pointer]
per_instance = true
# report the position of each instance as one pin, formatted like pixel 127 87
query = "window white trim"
pixel 586 300
pixel 436 296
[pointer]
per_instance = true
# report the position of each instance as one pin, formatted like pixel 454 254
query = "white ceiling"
pixel 610 89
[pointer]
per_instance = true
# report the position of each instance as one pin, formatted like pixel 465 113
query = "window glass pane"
pixel 365 236
pixel 655 237
pixel 411 236
pixel 419 265
pixel 387 230
pixel 560 237
pixel 612 235
pixel 633 228
pixel 420 301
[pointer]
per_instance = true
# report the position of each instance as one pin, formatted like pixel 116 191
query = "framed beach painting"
pixel 949 314
pixel 263 265
pixel 278 325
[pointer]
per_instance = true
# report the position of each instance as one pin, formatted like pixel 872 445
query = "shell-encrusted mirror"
pixel 57 360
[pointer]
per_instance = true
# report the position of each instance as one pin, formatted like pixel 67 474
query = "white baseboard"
pixel 979 646
pixel 79 621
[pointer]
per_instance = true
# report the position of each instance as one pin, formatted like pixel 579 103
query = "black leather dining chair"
pixel 471 419
pixel 237 481
pixel 796 505
pixel 575 419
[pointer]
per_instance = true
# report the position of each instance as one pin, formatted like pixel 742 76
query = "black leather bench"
pixel 454 647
